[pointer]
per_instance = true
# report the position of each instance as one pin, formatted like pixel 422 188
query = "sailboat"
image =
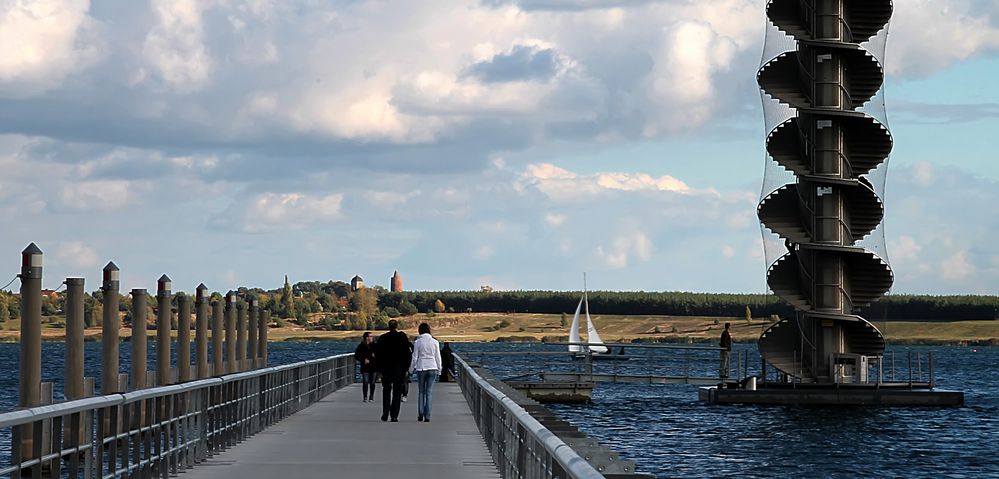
pixel 595 346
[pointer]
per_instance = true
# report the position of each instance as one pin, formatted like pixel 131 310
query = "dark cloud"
pixel 522 63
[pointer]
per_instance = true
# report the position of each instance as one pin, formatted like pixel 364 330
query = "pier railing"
pixel 520 446
pixel 162 430
pixel 627 363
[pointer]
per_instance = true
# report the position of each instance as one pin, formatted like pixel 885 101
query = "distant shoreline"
pixel 519 327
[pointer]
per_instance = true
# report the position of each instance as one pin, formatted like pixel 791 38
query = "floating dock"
pixel 565 392
pixel 885 394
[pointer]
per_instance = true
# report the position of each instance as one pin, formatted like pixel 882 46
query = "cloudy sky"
pixel 514 143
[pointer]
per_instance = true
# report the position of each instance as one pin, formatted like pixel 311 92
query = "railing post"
pixel 919 367
pixel 218 365
pixel 265 320
pixel 252 330
pixel 230 332
pixel 29 386
pixel 910 369
pixel 73 371
pixel 138 339
pixel 201 330
pixel 163 313
pixel 240 335
pixel 109 330
pixel 183 338
pixel 932 378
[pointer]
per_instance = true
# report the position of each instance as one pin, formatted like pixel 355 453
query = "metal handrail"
pixel 39 413
pixel 555 451
pixel 162 430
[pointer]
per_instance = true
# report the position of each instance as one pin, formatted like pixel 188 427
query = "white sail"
pixel 574 331
pixel 591 331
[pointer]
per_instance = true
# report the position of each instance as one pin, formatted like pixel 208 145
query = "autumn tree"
pixel 365 303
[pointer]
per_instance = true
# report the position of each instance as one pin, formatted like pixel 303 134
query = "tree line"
pixel 333 305
pixel 674 303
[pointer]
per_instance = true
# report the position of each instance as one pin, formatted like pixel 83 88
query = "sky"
pixel 510 143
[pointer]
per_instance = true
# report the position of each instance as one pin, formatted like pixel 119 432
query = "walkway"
pixel 341 436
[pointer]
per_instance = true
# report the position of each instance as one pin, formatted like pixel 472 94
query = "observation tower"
pixel 822 202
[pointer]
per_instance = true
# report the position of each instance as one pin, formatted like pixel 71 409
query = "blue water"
pixel 669 433
pixel 53 359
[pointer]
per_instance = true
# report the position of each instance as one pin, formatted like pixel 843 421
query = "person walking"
pixel 426 362
pixel 365 356
pixel 447 360
pixel 408 379
pixel 726 351
pixel 392 352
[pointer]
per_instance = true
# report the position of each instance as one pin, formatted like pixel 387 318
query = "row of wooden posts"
pixel 242 325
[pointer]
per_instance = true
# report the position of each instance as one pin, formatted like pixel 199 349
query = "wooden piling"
pixel 183 338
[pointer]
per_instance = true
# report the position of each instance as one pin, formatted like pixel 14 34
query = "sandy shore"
pixel 612 328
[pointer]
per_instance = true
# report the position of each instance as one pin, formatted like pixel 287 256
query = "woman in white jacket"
pixel 427 364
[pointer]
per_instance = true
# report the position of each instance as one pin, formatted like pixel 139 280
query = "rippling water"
pixel 669 433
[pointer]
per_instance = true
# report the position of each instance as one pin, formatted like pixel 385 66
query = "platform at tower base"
pixel 884 394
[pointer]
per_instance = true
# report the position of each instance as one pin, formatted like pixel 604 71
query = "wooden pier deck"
pixel 340 436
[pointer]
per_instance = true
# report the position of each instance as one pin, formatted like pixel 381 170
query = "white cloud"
pixel 905 249
pixel 930 35
pixel 923 173
pixel 175 47
pixel 44 41
pixel 77 254
pixel 101 195
pixel 561 184
pixel 728 251
pixel 276 212
pixel 555 219
pixel 624 248
pixel 956 266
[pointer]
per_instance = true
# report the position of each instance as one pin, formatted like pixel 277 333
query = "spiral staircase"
pixel 830 206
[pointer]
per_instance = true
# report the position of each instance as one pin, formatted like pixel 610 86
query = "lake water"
pixel 667 432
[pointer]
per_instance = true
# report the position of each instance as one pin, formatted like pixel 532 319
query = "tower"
pixel 356 283
pixel 821 207
pixel 395 283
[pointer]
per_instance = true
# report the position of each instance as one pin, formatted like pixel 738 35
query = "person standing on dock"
pixel 365 356
pixel 427 364
pixel 726 351
pixel 393 353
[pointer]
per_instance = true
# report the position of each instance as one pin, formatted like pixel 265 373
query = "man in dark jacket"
pixel 726 351
pixel 365 356
pixel 393 353
pixel 447 360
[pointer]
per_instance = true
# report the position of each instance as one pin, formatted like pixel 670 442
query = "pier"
pixel 231 414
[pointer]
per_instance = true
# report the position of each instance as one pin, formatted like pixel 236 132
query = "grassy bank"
pixel 613 328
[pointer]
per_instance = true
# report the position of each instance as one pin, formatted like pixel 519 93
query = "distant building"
pixel 396 283
pixel 356 283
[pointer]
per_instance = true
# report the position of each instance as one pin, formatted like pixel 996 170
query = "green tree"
pixel 287 300
pixel 749 314
pixel 562 322
pixel 392 312
pixel 4 312
pixel 407 308
pixel 365 303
